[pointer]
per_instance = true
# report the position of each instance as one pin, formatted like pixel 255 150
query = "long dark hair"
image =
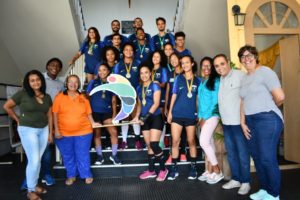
pixel 26 85
pixel 114 49
pixel 194 67
pixel 96 33
pixel 210 84
pixel 163 58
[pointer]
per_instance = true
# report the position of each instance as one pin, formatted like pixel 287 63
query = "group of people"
pixel 168 88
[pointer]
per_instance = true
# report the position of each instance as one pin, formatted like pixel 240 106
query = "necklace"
pixel 189 87
pixel 144 94
pixel 128 68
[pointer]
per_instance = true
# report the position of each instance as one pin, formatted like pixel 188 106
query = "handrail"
pixel 78 17
pixel 177 25
pixel 77 68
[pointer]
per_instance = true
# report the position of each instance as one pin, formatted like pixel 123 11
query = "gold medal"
pixel 141 56
pixel 189 87
pixel 144 102
pixel 128 75
pixel 128 68
pixel 103 95
pixel 144 94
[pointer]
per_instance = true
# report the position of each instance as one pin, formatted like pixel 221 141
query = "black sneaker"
pixel 192 173
pixel 115 160
pixel 99 160
pixel 173 174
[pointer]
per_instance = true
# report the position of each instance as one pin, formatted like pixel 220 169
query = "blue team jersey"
pixel 97 68
pixel 92 55
pixel 185 107
pixel 149 93
pixel 184 52
pixel 142 52
pixel 120 68
pixel 100 101
pixel 159 42
pixel 161 75
pixel 171 78
pixel 107 40
pixel 133 38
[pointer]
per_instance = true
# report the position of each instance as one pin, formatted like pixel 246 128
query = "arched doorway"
pixel 276 23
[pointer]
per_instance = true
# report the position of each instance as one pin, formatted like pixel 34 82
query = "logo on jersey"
pixel 134 68
pixel 157 75
pixel 149 92
pixel 194 87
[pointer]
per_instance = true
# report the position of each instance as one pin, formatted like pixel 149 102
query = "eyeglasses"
pixel 248 56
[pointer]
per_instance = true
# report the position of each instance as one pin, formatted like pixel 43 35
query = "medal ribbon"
pixel 141 48
pixel 128 67
pixel 189 86
pixel 143 92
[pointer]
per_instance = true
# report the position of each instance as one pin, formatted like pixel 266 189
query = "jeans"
pixel 46 161
pixel 266 128
pixel 34 141
pixel 75 152
pixel 237 153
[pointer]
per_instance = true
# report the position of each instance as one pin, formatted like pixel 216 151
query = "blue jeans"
pixel 237 153
pixel 46 161
pixel 75 152
pixel 266 128
pixel 34 141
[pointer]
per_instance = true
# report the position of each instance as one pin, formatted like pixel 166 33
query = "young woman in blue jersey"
pixel 152 123
pixel 110 56
pixel 168 50
pixel 91 48
pixel 208 114
pixel 183 113
pixel 129 68
pixel 117 43
pixel 177 69
pixel 160 39
pixel 158 62
pixel 104 108
pixel 143 47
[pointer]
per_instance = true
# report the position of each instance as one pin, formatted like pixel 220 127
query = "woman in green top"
pixel 35 116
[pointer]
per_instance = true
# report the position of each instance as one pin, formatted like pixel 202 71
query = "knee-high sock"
pixel 124 132
pixel 136 129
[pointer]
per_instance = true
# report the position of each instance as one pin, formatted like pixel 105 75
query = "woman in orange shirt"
pixel 73 130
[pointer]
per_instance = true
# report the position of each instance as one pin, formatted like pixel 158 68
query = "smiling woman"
pixel 35 115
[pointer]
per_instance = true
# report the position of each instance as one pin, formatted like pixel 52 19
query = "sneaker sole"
pixel 99 163
pixel 113 161
pixel 173 178
pixel 192 178
pixel 202 179
pixel 214 182
pixel 229 188
pixel 45 182
pixel 148 177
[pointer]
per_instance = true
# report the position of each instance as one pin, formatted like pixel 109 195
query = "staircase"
pixel 133 161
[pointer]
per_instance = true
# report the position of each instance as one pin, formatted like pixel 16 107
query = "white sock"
pixel 136 129
pixel 124 132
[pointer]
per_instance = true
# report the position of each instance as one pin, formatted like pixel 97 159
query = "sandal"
pixel 89 180
pixel 40 190
pixel 70 181
pixel 33 196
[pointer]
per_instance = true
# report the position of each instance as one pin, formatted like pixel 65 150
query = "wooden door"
pixel 290 69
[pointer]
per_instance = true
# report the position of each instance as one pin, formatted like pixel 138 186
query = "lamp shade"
pixel 239 19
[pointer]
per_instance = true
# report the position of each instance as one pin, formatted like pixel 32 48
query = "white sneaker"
pixel 261 194
pixel 270 197
pixel 214 178
pixel 204 176
pixel 244 189
pixel 231 184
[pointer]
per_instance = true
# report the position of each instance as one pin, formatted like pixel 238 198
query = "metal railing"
pixel 78 69
pixel 178 25
pixel 77 12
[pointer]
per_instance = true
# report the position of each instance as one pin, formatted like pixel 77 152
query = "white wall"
pixel 101 13
pixel 33 31
pixel 10 73
pixel 205 24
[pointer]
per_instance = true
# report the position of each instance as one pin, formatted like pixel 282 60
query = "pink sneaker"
pixel 123 145
pixel 183 158
pixel 162 175
pixel 169 161
pixel 147 174
pixel 138 145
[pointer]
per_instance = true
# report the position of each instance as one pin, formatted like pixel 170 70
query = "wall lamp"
pixel 239 18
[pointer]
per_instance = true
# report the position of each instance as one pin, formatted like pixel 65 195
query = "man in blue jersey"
pixel 142 46
pixel 160 39
pixel 138 23
pixel 115 27
pixel 180 44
